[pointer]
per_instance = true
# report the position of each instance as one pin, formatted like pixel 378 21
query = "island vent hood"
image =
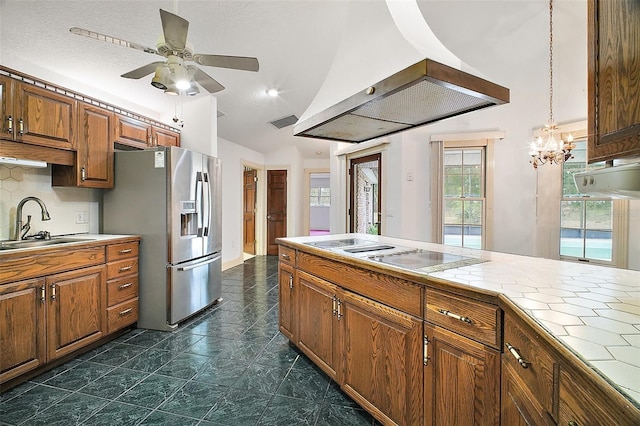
pixel 423 92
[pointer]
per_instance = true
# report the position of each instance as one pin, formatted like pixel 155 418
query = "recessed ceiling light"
pixel 272 92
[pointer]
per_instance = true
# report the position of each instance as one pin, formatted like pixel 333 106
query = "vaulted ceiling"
pixel 295 42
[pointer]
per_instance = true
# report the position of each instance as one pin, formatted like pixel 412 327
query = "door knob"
pixel 269 217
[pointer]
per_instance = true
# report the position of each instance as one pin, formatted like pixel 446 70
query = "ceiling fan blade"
pixel 142 71
pixel 175 29
pixel 234 62
pixel 206 81
pixel 109 39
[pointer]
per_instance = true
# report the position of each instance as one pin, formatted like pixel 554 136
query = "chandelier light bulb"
pixel 272 92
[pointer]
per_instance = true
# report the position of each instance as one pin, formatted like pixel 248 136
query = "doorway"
pixel 249 210
pixel 365 175
pixel 276 208
pixel 319 211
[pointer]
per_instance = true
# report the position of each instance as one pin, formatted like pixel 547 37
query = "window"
pixel 586 223
pixel 319 196
pixel 464 197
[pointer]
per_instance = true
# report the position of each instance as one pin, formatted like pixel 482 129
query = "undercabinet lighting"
pixel 25 163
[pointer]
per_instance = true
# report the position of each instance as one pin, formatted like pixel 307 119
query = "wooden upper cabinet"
pixel 94 158
pixel 164 137
pixel 6 107
pixel 132 132
pixel 42 117
pixel 613 79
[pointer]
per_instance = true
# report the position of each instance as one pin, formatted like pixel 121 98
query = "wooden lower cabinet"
pixel 22 328
pixel 461 380
pixel 518 406
pixel 286 300
pixel 381 359
pixel 76 309
pixel 317 334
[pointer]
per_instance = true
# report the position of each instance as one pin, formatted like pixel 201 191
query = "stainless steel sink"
pixel 13 245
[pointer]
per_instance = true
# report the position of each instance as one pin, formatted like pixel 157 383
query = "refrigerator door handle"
pixel 207 204
pixel 198 264
pixel 199 203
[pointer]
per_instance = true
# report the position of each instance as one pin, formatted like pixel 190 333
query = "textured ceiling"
pixel 295 42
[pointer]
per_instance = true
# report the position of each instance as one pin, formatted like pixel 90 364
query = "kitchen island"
pixel 421 333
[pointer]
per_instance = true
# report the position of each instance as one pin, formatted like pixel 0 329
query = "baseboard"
pixel 231 263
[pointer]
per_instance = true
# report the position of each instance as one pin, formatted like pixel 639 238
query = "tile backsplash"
pixel 68 207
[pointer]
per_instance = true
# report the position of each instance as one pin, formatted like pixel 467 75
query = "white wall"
pixel 200 129
pixel 233 157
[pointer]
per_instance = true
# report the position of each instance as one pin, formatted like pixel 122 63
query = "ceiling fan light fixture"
pixel 159 80
pixel 172 90
pixel 192 90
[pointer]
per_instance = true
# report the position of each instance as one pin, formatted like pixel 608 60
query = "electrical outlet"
pixel 82 217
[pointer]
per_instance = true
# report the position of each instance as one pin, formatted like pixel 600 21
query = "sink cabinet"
pixel 55 302
pixel 22 330
pixel 76 303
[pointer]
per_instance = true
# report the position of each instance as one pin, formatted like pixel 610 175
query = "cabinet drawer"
pixel 121 289
pixel 395 292
pixel 287 255
pixel 535 366
pixel 122 315
pixel 122 268
pixel 475 320
pixel 122 251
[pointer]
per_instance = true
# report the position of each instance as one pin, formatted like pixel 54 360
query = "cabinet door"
pixel 317 318
pixel 6 107
pixel 286 300
pixel 44 118
pixel 519 407
pixel 612 82
pixel 381 359
pixel 461 380
pixel 22 329
pixel 163 137
pixel 95 147
pixel 132 132
pixel 76 312
pixel 582 402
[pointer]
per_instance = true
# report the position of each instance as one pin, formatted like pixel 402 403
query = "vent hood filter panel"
pixel 424 93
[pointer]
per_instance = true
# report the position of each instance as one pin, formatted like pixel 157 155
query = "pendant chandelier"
pixel 546 148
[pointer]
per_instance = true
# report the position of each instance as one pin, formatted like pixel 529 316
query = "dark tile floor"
pixel 227 366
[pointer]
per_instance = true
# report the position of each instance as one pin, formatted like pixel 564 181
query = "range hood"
pixel 423 93
pixel 391 73
pixel 616 182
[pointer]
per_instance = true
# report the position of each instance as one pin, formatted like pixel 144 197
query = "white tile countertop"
pixel 594 311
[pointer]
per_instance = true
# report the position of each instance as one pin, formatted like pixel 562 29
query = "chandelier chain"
pixel 550 62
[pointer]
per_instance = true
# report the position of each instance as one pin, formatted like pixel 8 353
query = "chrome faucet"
pixel 27 226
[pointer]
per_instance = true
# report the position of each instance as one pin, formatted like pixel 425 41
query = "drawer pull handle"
pixel 573 423
pixel 10 125
pixel 455 316
pixel 334 303
pixel 43 296
pixel 53 291
pixel 125 251
pixel 125 312
pixel 523 362
pixel 21 127
pixel 123 286
pixel 125 268
pixel 291 281
pixel 285 256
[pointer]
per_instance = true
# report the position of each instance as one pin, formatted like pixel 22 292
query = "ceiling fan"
pixel 173 75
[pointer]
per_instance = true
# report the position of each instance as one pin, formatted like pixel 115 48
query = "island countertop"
pixel 593 311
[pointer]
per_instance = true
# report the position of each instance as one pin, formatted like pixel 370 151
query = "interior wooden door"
pixel 249 208
pixel 276 208
pixel 365 199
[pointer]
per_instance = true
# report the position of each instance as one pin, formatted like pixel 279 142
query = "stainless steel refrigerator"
pixel 171 197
